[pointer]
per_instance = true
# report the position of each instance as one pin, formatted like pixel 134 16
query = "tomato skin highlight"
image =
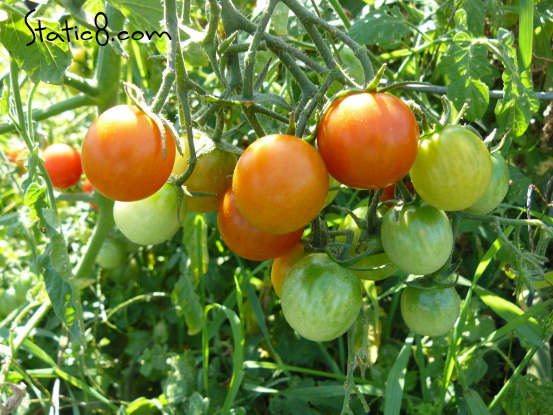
pixel 368 140
pixel 282 265
pixel 280 183
pixel 320 299
pixel 496 191
pixel 63 164
pixel 247 241
pixel 151 220
pixel 123 156
pixel 417 237
pixel 212 174
pixel 453 168
pixel 430 312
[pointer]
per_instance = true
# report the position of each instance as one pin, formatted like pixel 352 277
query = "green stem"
pixel 170 16
pixel 102 229
pixel 340 12
pixel 55 109
pixel 81 84
pixel 513 378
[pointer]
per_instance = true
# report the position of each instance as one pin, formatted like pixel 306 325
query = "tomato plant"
pixel 320 299
pixel 417 237
pixel 247 241
pixel 496 191
pixel 280 183
pixel 212 173
pixel 112 254
pixel 122 154
pixel 151 220
pixel 88 188
pixel 376 260
pixel 282 265
pixel 453 168
pixel 63 164
pixel 430 311
pixel 368 140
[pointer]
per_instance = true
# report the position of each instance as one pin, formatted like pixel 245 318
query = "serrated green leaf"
pixel 378 27
pixel 519 103
pixel 181 380
pixel 45 60
pixel 465 64
pixel 476 16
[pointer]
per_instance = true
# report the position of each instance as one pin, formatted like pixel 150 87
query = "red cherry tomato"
pixel 88 188
pixel 368 140
pixel 246 240
pixel 122 154
pixel 63 164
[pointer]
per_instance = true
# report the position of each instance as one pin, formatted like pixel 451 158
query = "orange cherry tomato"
pixel 212 173
pixel 246 240
pixel 17 153
pixel 282 265
pixel 280 183
pixel 63 164
pixel 122 154
pixel 368 140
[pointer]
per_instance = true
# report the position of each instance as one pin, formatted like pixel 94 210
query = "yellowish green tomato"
pixel 111 254
pixel 496 191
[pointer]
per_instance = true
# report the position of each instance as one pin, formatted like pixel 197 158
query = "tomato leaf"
pixel 466 63
pixel 42 60
pixel 142 14
pixel 377 27
pixel 519 103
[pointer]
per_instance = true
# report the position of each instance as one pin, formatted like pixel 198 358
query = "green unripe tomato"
pixel 125 273
pixel 152 220
pixel 320 299
pixel 111 254
pixel 417 237
pixel 497 189
pixel 22 285
pixel 430 312
pixel 453 168
pixel 8 301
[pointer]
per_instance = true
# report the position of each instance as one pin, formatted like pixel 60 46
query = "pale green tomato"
pixel 497 189
pixel 152 220
pixel 111 254
pixel 430 312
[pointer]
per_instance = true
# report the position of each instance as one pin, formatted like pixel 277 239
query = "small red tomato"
pixel 368 140
pixel 246 240
pixel 63 164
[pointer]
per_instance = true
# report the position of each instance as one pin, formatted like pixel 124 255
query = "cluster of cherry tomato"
pixel 280 183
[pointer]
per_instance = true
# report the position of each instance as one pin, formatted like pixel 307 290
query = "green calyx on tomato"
pixel 151 220
pixel 383 266
pixel 417 237
pixel 320 299
pixel 497 189
pixel 430 312
pixel 453 168
pixel 212 173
